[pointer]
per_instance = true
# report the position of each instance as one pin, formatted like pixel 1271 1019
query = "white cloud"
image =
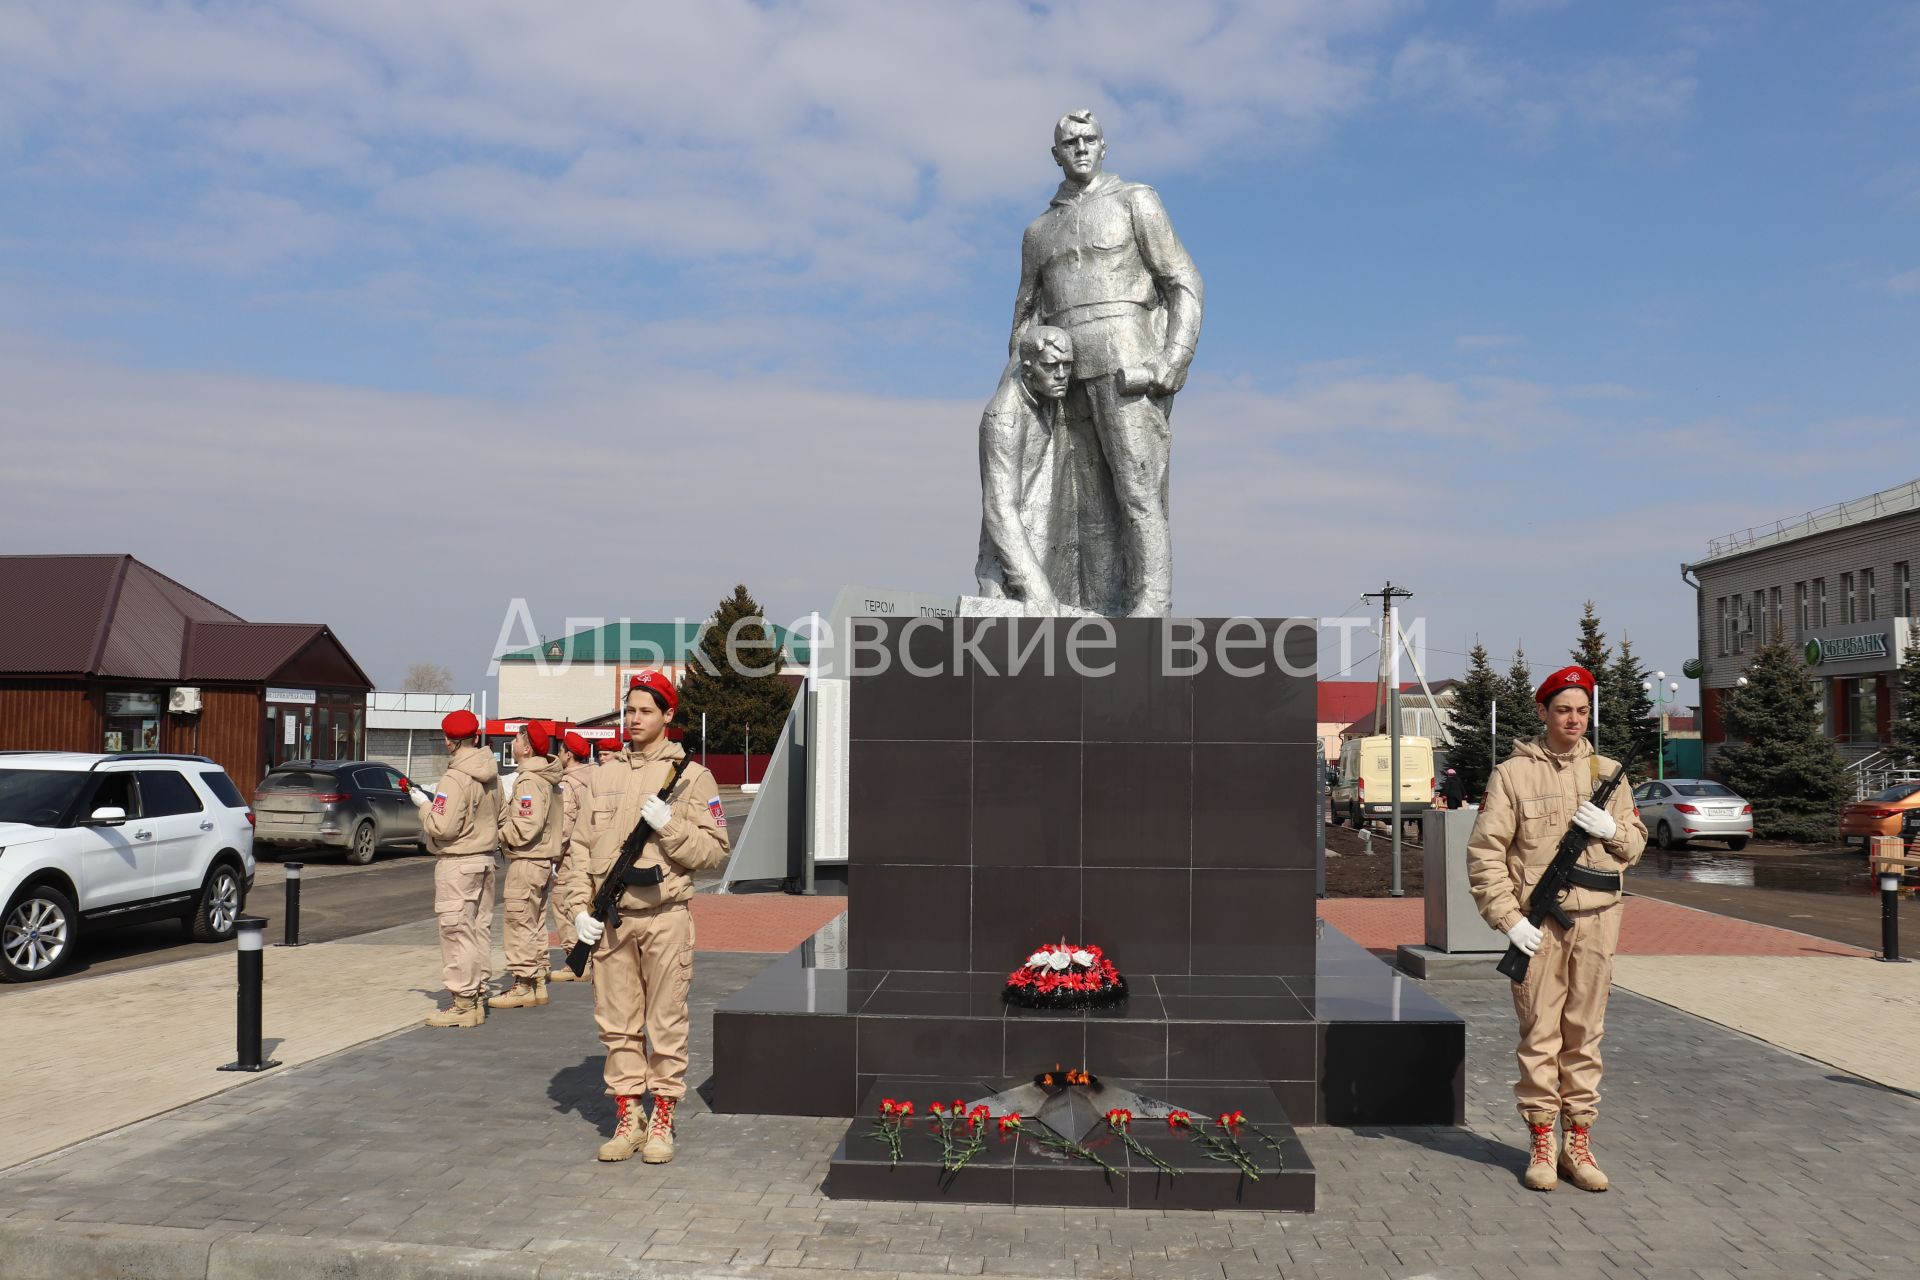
pixel 1488 341
pixel 1905 284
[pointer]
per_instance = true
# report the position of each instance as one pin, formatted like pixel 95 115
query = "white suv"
pixel 92 840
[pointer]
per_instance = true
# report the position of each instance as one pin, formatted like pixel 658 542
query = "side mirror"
pixel 110 815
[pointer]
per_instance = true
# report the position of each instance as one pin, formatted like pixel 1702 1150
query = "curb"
pixel 45 1249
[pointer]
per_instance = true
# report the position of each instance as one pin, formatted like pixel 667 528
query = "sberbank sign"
pixel 1871 644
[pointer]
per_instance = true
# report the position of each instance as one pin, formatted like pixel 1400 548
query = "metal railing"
pixel 1838 515
pixel 1874 773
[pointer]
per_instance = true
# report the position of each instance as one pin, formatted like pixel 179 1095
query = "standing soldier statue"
pixel 1531 799
pixel 643 967
pixel 461 821
pixel 1103 264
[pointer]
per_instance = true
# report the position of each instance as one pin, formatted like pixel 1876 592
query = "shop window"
pixel 1903 583
pixel 1867 591
pixel 1725 626
pixel 1863 709
pixel 132 720
pixel 1847 615
pixel 1757 620
pixel 1819 602
pixel 1804 605
pixel 1779 618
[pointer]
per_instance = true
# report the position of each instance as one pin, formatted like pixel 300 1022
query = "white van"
pixel 1364 788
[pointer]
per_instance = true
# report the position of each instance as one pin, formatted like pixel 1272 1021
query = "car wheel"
pixel 1354 819
pixel 216 912
pixel 360 852
pixel 1736 843
pixel 38 935
pixel 1663 836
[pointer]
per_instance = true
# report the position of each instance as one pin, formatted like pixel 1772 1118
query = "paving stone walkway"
pixel 469 1153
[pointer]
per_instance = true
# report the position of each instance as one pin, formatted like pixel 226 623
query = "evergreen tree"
pixel 1517 719
pixel 1783 761
pixel 1906 709
pixel 1594 654
pixel 1473 701
pixel 740 691
pixel 1628 733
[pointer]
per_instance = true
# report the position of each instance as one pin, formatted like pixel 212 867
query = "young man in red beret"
pixel 642 970
pixel 530 821
pixel 461 821
pixel 570 878
pixel 1532 797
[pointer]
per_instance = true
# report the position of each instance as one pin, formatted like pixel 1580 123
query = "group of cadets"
pixel 561 827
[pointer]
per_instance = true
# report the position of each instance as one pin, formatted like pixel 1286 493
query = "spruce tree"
pixel 1783 762
pixel 1594 654
pixel 733 699
pixel 1472 756
pixel 1517 719
pixel 1905 748
pixel 1628 733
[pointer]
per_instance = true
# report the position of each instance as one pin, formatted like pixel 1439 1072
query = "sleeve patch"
pixel 719 813
pixel 526 804
pixel 440 802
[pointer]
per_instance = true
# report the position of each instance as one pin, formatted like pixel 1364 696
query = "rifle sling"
pixel 1587 878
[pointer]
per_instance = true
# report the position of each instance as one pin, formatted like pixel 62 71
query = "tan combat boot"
pixel 564 974
pixel 524 995
pixel 1540 1175
pixel 659 1148
pixel 539 988
pixel 1576 1158
pixel 628 1131
pixel 465 1011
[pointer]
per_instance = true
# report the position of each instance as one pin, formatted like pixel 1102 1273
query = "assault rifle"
pixel 606 903
pixel 1544 902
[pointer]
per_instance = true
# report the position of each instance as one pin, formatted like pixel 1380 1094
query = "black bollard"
pixel 1890 914
pixel 290 934
pixel 247 1033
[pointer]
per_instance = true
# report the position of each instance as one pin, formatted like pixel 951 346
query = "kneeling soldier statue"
pixel 643 965
pixel 1532 799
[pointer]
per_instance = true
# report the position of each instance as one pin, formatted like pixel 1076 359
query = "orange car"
pixel 1878 815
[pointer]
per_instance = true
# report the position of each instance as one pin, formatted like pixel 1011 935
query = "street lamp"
pixel 1662 698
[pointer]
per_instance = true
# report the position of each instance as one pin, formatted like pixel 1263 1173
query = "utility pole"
pixel 1390 671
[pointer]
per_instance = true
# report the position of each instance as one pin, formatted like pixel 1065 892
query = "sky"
pixel 387 315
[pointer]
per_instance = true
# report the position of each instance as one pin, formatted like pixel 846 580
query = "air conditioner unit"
pixel 183 701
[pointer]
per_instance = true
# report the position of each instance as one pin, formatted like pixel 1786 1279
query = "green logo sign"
pixel 1691 669
pixel 1813 653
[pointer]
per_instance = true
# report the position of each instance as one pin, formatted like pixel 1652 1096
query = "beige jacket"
pixel 574 787
pixel 465 814
pixel 695 840
pixel 1529 804
pixel 530 816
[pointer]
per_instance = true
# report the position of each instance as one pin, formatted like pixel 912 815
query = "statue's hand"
pixel 1169 370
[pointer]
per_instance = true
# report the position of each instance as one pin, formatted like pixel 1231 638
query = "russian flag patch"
pixel 719 814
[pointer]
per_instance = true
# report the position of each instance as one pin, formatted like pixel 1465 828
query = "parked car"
pixel 360 806
pixel 89 841
pixel 1677 810
pixel 1362 789
pixel 1878 815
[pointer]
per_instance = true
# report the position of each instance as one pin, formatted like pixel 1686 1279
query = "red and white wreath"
pixel 1066 975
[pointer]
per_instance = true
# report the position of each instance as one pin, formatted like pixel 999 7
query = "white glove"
pixel 656 813
pixel 587 929
pixel 1595 821
pixel 1525 935
pixel 420 798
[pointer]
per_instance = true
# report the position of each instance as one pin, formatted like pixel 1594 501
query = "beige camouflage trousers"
pixel 463 905
pixel 641 974
pixel 1562 1007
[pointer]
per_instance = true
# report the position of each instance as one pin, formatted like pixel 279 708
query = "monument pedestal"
pixel 1016 781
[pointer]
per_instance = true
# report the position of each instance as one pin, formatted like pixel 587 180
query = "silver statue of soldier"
pixel 1027 552
pixel 1104 265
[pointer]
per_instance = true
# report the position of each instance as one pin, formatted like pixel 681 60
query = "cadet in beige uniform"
pixel 641 971
pixel 1531 798
pixel 461 821
pixel 530 821
pixel 570 895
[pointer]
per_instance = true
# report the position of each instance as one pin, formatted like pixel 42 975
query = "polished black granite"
pixel 1352 1042
pixel 1016 1170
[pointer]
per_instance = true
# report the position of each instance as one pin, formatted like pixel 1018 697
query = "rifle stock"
pixel 606 902
pixel 1544 902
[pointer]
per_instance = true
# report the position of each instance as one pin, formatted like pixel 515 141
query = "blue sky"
pixel 1516 302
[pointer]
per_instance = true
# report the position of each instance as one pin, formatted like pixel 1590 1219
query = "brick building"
pixel 104 653
pixel 1838 585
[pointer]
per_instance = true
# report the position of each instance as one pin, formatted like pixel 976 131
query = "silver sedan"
pixel 1677 810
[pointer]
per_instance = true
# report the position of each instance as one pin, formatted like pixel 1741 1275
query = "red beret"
pixel 460 724
pixel 577 745
pixel 659 683
pixel 614 743
pixel 537 736
pixel 1562 680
